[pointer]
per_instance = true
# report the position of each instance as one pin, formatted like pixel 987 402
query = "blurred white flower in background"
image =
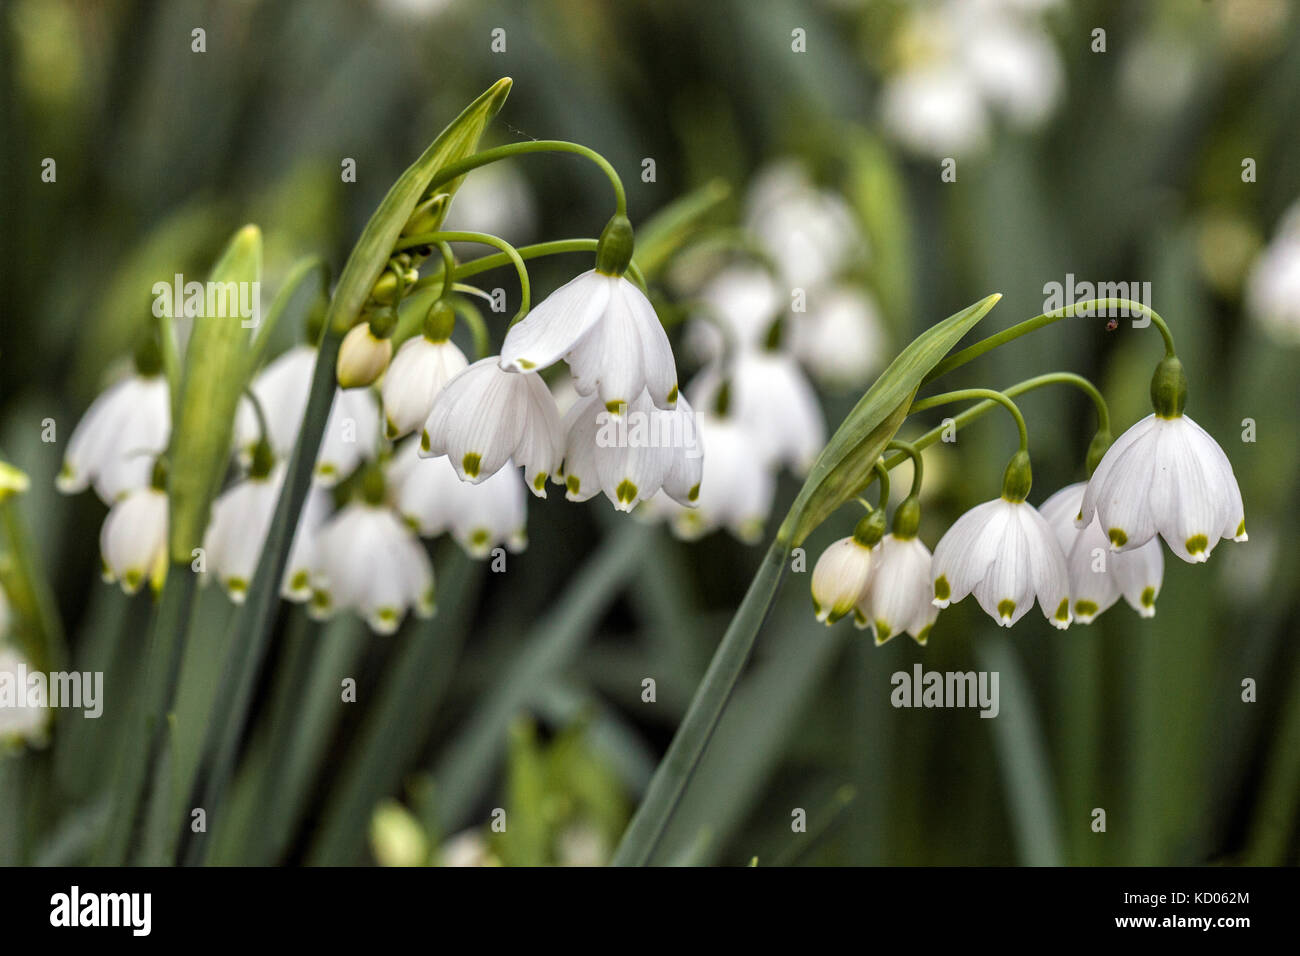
pixel 23 719
pixel 497 200
pixel 961 63
pixel 1273 287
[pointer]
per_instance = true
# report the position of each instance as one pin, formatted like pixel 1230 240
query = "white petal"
pixel 540 449
pixel 658 366
pixel 682 483
pixel 1189 500
pixel 966 551
pixel 419 371
pixel 839 578
pixel 1047 567
pixel 133 539
pixel 1123 489
pixel 557 323
pixel 1006 591
pixel 631 458
pixel 898 599
pixel 610 358
pixel 582 425
pixel 1138 432
pixel 478 419
pixel 492 513
pixel 1138 575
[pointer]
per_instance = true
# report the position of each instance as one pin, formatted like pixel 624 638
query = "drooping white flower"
pixel 363 356
pixel 1007 555
pixel 116 441
pixel 1015 66
pixel 486 416
pixel 24 716
pixel 419 371
pixel 1273 288
pixel 1165 476
pixel 237 530
pixel 607 331
pixel 302 551
pixel 368 561
pixel 282 388
pixel 429 495
pixel 736 483
pixel 935 110
pixel 899 596
pixel 841 338
pixel 772 395
pixel 841 577
pixel 739 304
pixel 133 539
pixel 1098 576
pixel 632 455
pixel 811 233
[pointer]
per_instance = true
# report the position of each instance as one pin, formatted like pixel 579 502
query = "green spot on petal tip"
pixel 471 464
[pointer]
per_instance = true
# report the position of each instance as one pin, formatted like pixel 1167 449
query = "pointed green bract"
pixel 216 369
pixel 845 465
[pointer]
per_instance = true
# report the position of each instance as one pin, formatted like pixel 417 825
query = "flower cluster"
pixel 1164 478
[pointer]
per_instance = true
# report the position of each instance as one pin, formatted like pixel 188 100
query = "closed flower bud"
pixel 363 357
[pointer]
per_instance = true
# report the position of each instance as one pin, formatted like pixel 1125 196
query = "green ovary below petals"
pixel 1085 610
pixel 1117 537
pixel 1006 608
pixel 471 464
pixel 626 491
pixel 1197 544
pixel 941 589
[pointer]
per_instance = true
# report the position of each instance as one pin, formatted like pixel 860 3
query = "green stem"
pixel 469 163
pixel 29 591
pixel 474 319
pixel 958 359
pixel 252 624
pixel 535 251
pixel 484 238
pixel 966 394
pixel 917 465
pixel 978 411
pixel 674 772
pixel 166 640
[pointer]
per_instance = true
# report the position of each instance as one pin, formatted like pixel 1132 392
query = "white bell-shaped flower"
pixel 27 716
pixel 630 456
pixel 607 331
pixel 899 596
pixel 116 441
pixel 486 416
pixel 736 308
pixel 1273 287
pixel 316 510
pixel 1099 576
pixel 841 337
pixel 810 233
pixel 368 561
pixel 432 499
pixel 772 395
pixel 133 539
pixel 282 388
pixel 1165 476
pixel 1007 555
pixel 237 530
pixel 841 577
pixel 419 371
pixel 935 110
pixel 736 483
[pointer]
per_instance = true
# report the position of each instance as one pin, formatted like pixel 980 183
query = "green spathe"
pixel 215 371
pixel 845 465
